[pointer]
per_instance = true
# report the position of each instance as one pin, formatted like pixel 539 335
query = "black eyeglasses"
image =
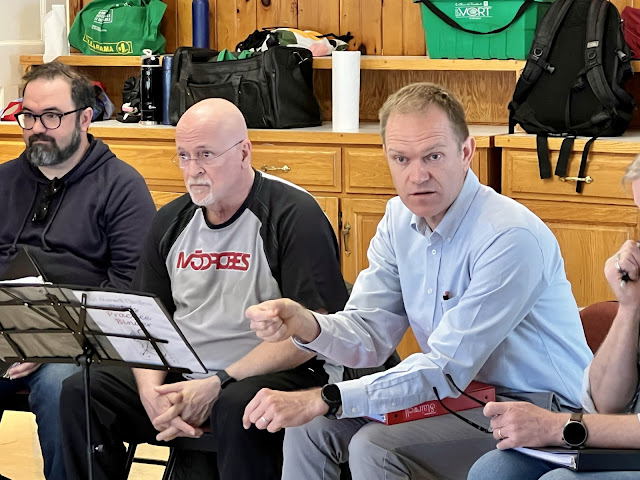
pixel 50 120
pixel 466 420
pixel 43 209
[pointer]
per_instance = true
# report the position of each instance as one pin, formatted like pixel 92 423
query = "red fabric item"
pixel 8 114
pixel 631 29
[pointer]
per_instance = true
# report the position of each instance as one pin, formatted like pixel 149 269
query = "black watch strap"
pixel 331 395
pixel 225 378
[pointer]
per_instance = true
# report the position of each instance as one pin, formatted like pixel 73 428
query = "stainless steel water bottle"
pixel 150 89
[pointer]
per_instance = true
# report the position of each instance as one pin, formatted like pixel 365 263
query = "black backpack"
pixel 573 81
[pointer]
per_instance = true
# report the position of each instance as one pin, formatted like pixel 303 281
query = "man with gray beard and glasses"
pixel 81 212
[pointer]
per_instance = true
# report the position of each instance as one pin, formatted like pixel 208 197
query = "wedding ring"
pixel 617 262
pixel 264 420
pixel 500 434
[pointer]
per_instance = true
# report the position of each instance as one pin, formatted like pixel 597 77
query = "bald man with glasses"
pixel 238 237
pixel 81 212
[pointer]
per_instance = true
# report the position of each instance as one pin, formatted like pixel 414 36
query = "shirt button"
pixel 429 291
pixel 448 239
pixel 393 404
pixel 354 410
pixel 433 252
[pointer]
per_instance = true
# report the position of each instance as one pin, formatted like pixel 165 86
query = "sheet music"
pixel 176 352
pixel 566 458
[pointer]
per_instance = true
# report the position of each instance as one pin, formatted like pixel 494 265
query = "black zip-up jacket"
pixel 96 224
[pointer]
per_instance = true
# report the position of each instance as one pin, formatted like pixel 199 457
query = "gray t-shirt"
pixel 278 244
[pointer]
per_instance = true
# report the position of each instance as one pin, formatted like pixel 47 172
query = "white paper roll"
pixel 345 91
pixel 55 33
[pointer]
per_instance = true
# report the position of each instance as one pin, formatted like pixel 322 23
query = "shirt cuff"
pixel 354 399
pixel 322 341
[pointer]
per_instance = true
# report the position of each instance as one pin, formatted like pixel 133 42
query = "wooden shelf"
pixel 80 60
pixel 368 62
pixel 379 62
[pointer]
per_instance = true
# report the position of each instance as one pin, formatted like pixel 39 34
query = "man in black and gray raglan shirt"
pixel 238 238
pixel 81 212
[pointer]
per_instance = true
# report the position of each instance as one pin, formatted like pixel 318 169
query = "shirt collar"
pixel 454 216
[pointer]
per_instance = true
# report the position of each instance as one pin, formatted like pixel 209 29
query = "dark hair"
pixel 82 91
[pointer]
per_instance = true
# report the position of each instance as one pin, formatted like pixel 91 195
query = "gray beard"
pixel 42 155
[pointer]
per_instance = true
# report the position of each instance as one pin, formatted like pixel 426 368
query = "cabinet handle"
pixel 271 168
pixel 345 235
pixel 586 179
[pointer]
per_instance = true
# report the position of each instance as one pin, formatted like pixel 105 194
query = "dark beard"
pixel 43 155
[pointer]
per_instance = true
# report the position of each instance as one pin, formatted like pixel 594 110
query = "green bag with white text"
pixel 107 27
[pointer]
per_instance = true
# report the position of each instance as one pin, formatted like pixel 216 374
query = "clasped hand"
pixel 179 409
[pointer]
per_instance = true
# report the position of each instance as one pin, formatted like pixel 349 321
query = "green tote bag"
pixel 106 27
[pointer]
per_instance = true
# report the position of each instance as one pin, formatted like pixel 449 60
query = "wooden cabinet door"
pixel 360 218
pixel 329 206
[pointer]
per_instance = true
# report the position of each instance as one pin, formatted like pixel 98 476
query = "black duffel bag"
pixel 272 89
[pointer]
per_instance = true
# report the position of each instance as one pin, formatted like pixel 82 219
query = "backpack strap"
pixel 583 163
pixel 563 156
pixel 622 67
pixel 596 23
pixel 540 50
pixel 452 23
pixel 543 155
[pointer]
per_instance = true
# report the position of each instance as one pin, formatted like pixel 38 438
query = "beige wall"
pixel 20 34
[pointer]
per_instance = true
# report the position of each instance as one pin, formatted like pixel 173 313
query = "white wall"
pixel 20 34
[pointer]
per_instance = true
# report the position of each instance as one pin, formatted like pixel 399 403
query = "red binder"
pixel 481 391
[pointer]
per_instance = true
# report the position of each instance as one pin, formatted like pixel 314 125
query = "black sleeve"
pixel 309 257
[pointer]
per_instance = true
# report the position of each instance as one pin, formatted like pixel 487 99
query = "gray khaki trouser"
pixel 441 447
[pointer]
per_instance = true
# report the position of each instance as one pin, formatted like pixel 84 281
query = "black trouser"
pixel 118 416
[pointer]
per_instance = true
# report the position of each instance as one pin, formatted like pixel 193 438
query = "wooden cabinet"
pixel 590 226
pixel 346 172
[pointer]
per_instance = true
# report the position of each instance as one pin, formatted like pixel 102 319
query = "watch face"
pixel 574 433
pixel 332 393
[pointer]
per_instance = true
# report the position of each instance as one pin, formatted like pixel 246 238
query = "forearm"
pixel 613 431
pixel 267 358
pixel 613 375
pixel 146 379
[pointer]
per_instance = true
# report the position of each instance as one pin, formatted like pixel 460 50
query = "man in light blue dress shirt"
pixel 479 279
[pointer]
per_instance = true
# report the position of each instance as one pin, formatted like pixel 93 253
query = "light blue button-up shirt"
pixel 486 296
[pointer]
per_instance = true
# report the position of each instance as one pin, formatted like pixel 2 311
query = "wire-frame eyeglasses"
pixel 462 392
pixel 204 158
pixel 50 120
pixel 52 189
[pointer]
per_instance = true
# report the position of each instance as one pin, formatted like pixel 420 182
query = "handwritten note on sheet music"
pixel 176 352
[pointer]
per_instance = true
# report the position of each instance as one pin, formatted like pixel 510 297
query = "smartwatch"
pixel 330 394
pixel 574 432
pixel 225 378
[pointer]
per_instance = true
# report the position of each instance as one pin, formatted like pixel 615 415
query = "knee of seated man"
pixel 73 387
pixel 233 399
pixel 362 441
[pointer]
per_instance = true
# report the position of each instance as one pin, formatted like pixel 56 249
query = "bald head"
pixel 214 117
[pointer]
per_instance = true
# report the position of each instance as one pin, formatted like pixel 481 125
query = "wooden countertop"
pixel 627 143
pixel 368 133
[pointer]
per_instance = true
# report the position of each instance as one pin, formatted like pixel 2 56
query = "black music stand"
pixel 49 323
